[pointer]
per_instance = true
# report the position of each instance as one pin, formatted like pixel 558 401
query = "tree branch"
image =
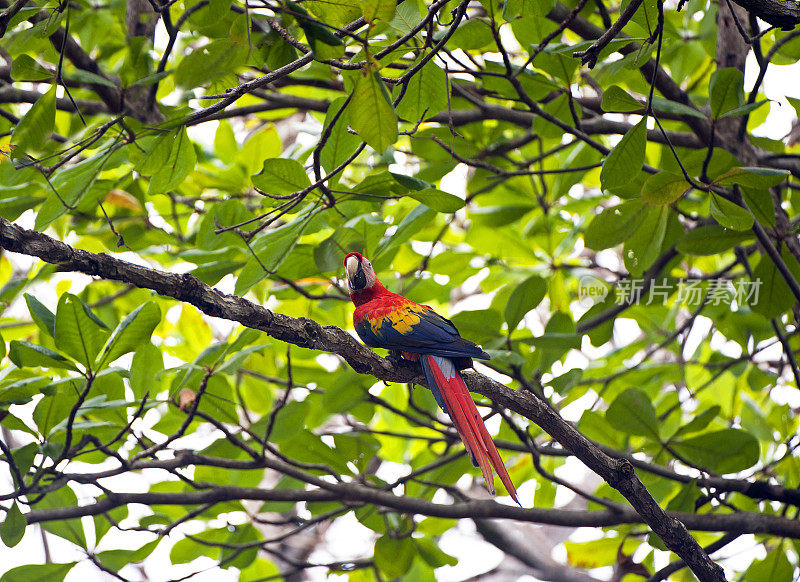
pixel 619 473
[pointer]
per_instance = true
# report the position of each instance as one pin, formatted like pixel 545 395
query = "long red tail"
pixel 452 395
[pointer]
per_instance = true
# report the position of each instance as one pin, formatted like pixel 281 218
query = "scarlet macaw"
pixel 387 320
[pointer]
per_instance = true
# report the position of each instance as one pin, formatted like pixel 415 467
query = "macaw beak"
pixel 356 277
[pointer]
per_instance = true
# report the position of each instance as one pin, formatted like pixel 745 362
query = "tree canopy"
pixel 603 195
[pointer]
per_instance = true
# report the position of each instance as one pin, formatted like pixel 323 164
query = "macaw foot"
pixel 395 357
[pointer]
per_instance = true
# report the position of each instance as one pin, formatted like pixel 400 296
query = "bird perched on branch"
pixel 415 332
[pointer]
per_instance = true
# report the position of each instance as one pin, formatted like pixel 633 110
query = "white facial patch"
pixel 352 266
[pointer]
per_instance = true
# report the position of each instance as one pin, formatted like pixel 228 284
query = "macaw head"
pixel 360 274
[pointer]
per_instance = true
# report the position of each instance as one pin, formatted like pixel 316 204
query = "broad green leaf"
pixel 433 554
pixel 774 295
pixel 726 91
pixel 699 422
pixel 617 99
pixel 117 559
pixel 270 250
pixel 724 451
pixel 341 143
pixel 377 9
pixel 426 94
pixel 744 109
pixel 711 239
pixel 78 332
pixel 74 188
pixel 761 204
pixel 69 529
pixel 81 76
pixel 752 177
pixel 666 106
pixel 633 413
pixel 28 355
pixel 13 527
pixel 614 225
pixel 178 164
pixel 644 245
pixel 394 556
pixel 730 215
pixel 774 568
pixel 259 571
pixel 664 188
pixel 38 573
pixel 437 200
pixel 132 332
pixel 281 176
pixel 371 112
pixel 24 68
pixel 43 317
pixel 33 130
pixel 147 364
pixel 336 12
pixel 51 410
pixel 625 161
pixel 408 227
pixel 524 297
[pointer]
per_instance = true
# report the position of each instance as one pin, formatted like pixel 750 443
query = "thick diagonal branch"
pixel 619 473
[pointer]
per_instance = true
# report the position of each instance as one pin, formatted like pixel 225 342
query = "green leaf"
pixel 147 364
pixel 35 127
pixel 132 332
pixel 270 249
pixel 336 12
pixel 666 106
pixel 752 177
pixel 42 317
pixel 341 143
pixel 38 573
pixel 178 164
pixel 524 297
pixel 408 227
pixel 13 527
pixel 617 99
pixel 433 554
pixel 774 295
pixel 699 422
pixel 394 556
pixel 371 112
pixel 28 355
pixel 726 90
pixel 625 161
pixel 117 559
pixel 614 225
pixel 711 239
pixel 25 68
pixel 744 109
pixel 69 529
pixel 78 332
pixel 82 76
pixel 664 188
pixel 761 204
pixel 76 185
pixel 643 246
pixel 377 9
pixel 437 200
pixel 633 413
pixel 281 176
pixel 426 94
pixel 724 451
pixel 730 215
pixel 774 568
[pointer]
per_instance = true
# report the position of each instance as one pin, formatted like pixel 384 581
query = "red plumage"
pixel 387 320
